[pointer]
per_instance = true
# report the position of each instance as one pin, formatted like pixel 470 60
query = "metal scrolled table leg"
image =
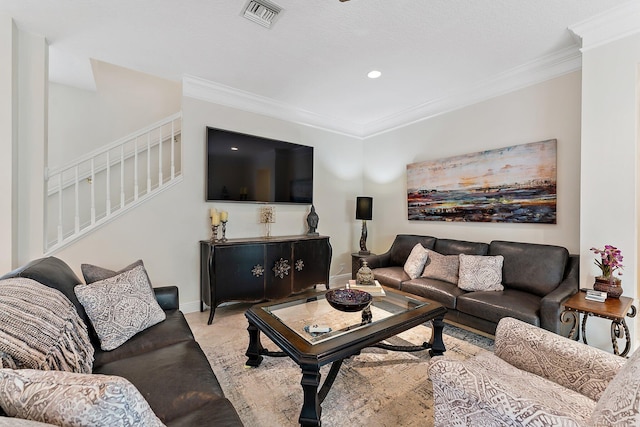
pixel 618 333
pixel 566 317
pixel 584 327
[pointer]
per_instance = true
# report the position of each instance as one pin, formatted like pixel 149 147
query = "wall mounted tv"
pixel 247 168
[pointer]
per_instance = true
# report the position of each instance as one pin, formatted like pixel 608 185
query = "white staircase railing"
pixel 94 189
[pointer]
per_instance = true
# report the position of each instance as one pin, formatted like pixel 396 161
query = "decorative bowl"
pixel 348 299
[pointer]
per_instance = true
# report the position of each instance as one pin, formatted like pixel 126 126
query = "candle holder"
pixel 214 233
pixel 224 231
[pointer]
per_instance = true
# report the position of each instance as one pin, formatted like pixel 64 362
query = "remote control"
pixel 319 329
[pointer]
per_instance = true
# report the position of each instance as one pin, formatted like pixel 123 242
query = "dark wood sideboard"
pixel 259 269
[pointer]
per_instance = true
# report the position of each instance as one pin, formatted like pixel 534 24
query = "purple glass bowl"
pixel 348 299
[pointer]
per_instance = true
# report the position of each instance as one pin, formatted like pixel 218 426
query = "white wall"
pixel 544 111
pixel 609 197
pixel 23 110
pixel 33 80
pixel 81 121
pixel 165 231
pixel 8 143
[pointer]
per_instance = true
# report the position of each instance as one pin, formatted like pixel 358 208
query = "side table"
pixel 613 309
pixel 355 262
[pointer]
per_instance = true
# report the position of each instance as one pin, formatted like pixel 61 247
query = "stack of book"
pixel 593 295
pixel 375 290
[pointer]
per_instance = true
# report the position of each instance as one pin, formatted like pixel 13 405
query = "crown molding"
pixel 206 90
pixel 545 68
pixel 538 71
pixel 611 25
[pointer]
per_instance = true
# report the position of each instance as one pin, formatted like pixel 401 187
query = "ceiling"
pixel 312 64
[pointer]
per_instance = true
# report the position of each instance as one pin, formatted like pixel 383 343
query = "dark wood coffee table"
pixel 284 323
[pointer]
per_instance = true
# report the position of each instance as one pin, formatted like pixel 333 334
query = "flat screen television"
pixel 247 168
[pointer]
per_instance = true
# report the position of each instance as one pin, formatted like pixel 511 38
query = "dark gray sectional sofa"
pixel 537 279
pixel 164 362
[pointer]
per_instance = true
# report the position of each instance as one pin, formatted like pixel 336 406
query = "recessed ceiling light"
pixel 374 74
pixel 234 148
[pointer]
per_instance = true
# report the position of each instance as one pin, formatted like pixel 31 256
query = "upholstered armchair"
pixel 536 378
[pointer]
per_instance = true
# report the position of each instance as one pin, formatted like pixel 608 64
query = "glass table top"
pixel 300 314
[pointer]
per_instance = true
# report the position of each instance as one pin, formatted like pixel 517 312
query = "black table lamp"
pixel 364 211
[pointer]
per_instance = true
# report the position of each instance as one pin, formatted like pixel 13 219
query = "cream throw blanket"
pixel 41 329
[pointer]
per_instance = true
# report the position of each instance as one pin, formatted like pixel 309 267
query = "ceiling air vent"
pixel 262 12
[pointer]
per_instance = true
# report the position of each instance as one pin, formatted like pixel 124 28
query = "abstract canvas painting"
pixel 511 184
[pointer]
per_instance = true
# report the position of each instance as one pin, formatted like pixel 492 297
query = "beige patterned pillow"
pixel 480 273
pixel 442 267
pixel 619 404
pixel 415 262
pixel 71 399
pixel 121 306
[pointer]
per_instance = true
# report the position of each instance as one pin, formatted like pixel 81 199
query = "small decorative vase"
pixel 364 276
pixel 613 288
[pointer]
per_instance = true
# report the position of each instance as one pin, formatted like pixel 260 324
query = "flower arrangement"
pixel 610 261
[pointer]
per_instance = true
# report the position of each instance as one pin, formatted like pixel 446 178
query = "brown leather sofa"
pixel 164 362
pixel 537 279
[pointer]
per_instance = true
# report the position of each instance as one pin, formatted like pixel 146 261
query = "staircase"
pixel 98 187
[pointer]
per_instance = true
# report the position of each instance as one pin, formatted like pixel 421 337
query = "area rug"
pixel 375 388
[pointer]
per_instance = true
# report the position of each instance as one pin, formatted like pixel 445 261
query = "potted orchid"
pixel 610 261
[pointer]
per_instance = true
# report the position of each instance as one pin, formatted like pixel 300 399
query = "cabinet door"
pixel 239 273
pixel 278 270
pixel 311 263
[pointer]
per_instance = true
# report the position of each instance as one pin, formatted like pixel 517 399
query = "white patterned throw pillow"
pixel 72 399
pixel 121 306
pixel 415 262
pixel 480 273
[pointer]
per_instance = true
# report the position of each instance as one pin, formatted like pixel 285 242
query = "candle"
pixel 224 216
pixel 215 219
pixel 212 212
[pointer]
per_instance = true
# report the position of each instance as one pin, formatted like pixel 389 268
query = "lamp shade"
pixel 364 208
